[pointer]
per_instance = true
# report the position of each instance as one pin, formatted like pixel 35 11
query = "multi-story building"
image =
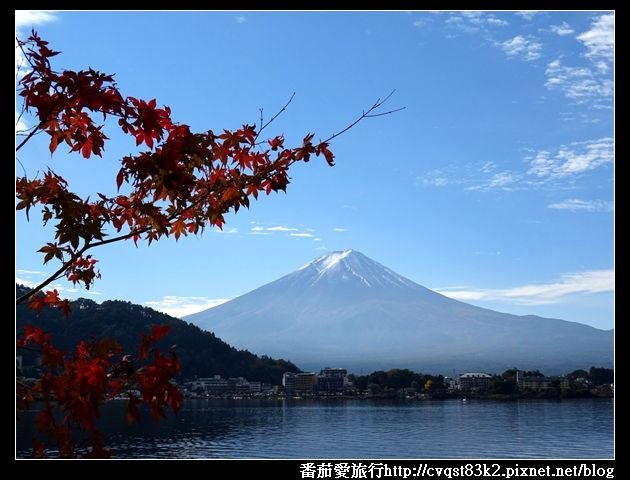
pixel 332 380
pixel 304 382
pixel 540 383
pixel 299 383
pixel 474 381
pixel 288 382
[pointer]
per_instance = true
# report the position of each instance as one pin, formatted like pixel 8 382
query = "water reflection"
pixel 362 429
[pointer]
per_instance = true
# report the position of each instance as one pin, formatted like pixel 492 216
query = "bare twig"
pixel 273 118
pixel 21 165
pixel 368 114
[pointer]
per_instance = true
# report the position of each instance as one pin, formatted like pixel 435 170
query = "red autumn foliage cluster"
pixel 74 386
pixel 181 182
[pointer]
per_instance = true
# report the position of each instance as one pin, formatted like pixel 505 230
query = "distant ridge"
pixel 201 353
pixel 345 309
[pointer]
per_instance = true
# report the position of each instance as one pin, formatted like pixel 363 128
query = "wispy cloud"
pixel 521 47
pixel 226 231
pixel 26 282
pixel 339 229
pixel 576 158
pixel 66 291
pixel 20 124
pixel 474 22
pixel 578 83
pixel 281 228
pixel 434 178
pixel 580 283
pixel 551 169
pixel 179 306
pixel 563 29
pixel 28 277
pixel 290 231
pixel 527 14
pixel 502 180
pixel 28 18
pixel 37 273
pixel 577 205
pixel 599 40
pixel 240 19
pixel 25 19
pixel 591 82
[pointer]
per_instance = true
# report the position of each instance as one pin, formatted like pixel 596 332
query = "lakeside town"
pixel 403 383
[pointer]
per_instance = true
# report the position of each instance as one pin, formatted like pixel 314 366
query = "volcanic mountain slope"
pixel 345 309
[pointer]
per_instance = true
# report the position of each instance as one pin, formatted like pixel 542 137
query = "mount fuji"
pixel 344 309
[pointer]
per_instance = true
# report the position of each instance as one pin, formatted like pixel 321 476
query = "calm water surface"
pixel 581 428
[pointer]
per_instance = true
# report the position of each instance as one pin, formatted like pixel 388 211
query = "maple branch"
pixel 59 273
pixel 367 114
pixel 53 277
pixel 29 136
pixel 273 118
pixel 38 128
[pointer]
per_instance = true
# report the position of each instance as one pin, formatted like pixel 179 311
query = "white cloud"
pixel 550 169
pixel 29 18
pixel 599 40
pixel 487 167
pixel 577 205
pixel 339 229
pixel 496 21
pixel 317 239
pixel 581 283
pixel 527 14
pixel 281 228
pixel 37 273
pixel 240 19
pixel 563 29
pixel 474 22
pixel 257 229
pixel 578 83
pixel 24 281
pixel 21 64
pixel 519 46
pixel 302 235
pixel 436 181
pixel 502 180
pixel 227 231
pixel 20 124
pixel 180 306
pixel 439 178
pixel 578 158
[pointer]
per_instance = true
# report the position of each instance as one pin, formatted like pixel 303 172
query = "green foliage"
pixel 397 379
pixel 601 376
pixel 202 353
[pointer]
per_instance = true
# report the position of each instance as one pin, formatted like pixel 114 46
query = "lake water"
pixel 293 428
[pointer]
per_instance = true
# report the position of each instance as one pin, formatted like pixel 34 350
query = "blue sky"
pixel 495 185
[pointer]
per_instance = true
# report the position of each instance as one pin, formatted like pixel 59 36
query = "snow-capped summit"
pixel 353 266
pixel 344 308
